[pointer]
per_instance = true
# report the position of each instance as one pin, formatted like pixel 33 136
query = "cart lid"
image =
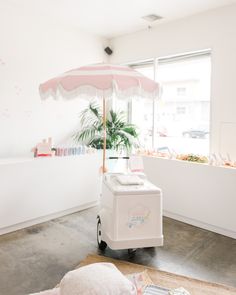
pixel 145 187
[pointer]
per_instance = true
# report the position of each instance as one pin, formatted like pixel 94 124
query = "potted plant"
pixel 120 135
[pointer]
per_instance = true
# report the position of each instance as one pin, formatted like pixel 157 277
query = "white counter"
pixel 198 194
pixel 6 161
pixel 34 190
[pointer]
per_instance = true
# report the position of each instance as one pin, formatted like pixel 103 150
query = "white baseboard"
pixel 46 218
pixel 200 224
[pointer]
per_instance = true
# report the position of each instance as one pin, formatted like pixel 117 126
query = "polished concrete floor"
pixel 36 258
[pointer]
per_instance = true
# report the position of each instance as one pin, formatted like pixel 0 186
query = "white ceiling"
pixel 111 18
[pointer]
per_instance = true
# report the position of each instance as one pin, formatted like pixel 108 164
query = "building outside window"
pixel 182 116
pixel 184 109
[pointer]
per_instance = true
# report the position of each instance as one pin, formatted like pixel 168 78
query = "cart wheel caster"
pixel 101 244
pixel 131 252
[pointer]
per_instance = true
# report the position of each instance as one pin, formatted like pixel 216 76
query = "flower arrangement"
pixel 212 159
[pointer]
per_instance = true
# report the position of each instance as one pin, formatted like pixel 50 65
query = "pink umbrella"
pixel 101 81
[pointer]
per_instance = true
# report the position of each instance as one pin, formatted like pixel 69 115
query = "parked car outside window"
pixel 195 133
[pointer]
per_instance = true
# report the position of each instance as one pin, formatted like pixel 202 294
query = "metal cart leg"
pixel 131 252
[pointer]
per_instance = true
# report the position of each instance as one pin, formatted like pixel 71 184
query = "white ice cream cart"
pixel 130 215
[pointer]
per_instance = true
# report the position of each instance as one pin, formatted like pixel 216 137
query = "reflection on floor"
pixel 36 258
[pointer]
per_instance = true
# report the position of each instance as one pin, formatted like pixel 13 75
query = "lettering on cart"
pixel 137 216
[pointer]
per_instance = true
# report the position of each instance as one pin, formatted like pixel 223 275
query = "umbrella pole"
pixel 104 136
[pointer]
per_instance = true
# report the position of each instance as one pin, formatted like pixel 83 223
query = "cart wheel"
pixel 131 252
pixel 101 244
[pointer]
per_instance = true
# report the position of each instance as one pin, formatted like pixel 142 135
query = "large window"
pixel 182 114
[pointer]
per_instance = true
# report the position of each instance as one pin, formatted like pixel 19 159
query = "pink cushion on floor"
pixel 96 279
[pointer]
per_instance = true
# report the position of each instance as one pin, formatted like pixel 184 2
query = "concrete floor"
pixel 36 258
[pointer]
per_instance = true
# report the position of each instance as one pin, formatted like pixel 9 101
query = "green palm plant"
pixel 120 135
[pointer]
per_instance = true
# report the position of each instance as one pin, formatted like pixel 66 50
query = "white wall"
pixel 214 29
pixel 33 49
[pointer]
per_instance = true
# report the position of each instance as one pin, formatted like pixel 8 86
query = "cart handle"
pixel 116 158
